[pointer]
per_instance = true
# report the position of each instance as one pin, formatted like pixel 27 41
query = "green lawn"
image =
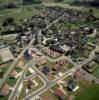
pixel 18 13
pixel 0 60
pixel 10 1
pixel 6 67
pixel 48 94
pixel 90 93
pixel 5 97
pixel 66 1
pixel 28 73
pixel 40 84
pixel 96 73
pixel 55 87
pixel 11 82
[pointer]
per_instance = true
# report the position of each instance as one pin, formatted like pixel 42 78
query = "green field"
pixel 48 94
pixel 5 97
pixel 4 67
pixel 11 82
pixel 28 74
pixel 96 73
pixel 0 60
pixel 10 1
pixel 18 14
pixel 90 93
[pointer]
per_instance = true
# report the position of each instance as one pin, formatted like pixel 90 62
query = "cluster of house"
pixel 56 67
pixel 92 65
pixel 6 88
pixel 71 86
pixel 72 42
pixel 51 53
pixel 41 21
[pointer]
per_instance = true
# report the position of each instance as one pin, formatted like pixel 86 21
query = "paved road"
pixel 15 91
pixel 21 54
pixel 49 84
pixel 11 68
pixel 90 76
pixel 14 63
pixel 48 26
pixel 12 96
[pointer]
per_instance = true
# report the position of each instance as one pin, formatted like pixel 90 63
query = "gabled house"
pixel 4 90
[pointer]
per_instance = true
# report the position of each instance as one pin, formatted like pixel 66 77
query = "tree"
pixel 8 21
pixel 91 12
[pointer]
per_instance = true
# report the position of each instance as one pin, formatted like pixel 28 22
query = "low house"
pixel 46 70
pixel 30 83
pixel 41 61
pixel 46 98
pixel 71 85
pixel 20 64
pixel 4 90
pixel 60 94
pixel 90 67
pixel 60 64
pixel 77 74
pixel 14 74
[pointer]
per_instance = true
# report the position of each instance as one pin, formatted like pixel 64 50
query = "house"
pixel 71 85
pixel 14 74
pixel 20 64
pixel 30 83
pixel 46 70
pixel 46 98
pixel 60 94
pixel 77 74
pixel 4 90
pixel 90 67
pixel 41 61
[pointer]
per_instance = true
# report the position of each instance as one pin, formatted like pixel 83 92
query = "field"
pixel 4 67
pixel 86 89
pixel 11 82
pixel 90 93
pixel 10 1
pixel 49 95
pixel 96 73
pixel 0 60
pixel 18 13
pixel 5 97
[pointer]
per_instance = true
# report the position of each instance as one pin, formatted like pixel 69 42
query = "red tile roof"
pixel 46 98
pixel 59 93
